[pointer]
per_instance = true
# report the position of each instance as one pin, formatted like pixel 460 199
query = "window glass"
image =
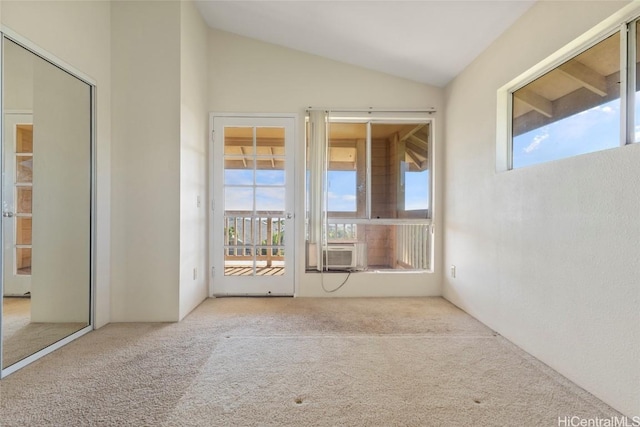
pixel 571 110
pixel 347 172
pixel 342 195
pixel 399 170
pixel 386 246
pixel 385 226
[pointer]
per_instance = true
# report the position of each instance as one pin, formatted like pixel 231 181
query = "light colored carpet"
pixel 21 337
pixel 295 362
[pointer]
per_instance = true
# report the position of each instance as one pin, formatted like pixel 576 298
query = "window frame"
pixel 623 22
pixel 370 118
pixel 369 121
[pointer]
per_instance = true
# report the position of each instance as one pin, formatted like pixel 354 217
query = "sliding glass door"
pixel 47 171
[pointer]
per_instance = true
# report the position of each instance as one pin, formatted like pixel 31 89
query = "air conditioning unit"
pixel 345 256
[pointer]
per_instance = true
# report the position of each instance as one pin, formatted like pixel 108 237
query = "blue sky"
pixel 595 129
pixel 342 191
pixel 270 193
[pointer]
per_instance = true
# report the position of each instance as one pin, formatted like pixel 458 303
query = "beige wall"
pixel 253 77
pixel 146 161
pixel 155 51
pixel 18 69
pixel 78 33
pixel 193 158
pixel 60 273
pixel 545 255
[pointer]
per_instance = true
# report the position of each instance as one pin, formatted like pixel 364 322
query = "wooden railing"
pixel 413 243
pixel 261 237
pixel 244 233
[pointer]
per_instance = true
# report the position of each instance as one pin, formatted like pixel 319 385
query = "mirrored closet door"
pixel 47 171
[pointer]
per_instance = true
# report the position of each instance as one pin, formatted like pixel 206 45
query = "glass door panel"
pixel 257 198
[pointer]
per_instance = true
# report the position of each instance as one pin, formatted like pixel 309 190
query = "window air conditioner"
pixel 345 256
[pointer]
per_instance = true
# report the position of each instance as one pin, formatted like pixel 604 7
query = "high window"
pixel 369 197
pixel 585 101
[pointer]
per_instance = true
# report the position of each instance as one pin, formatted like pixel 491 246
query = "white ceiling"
pixel 421 40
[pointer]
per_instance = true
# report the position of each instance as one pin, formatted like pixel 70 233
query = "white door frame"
pixel 216 164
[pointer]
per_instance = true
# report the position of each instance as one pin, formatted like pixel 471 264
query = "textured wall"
pixel 545 255
pixel 79 33
pixel 146 160
pixel 194 125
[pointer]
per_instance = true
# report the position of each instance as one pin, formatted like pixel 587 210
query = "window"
pixel 369 186
pixel 582 100
pixel 573 109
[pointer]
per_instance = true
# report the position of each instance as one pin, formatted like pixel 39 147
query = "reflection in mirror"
pixel 46 204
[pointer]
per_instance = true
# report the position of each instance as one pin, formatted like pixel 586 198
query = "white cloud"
pixel 346 197
pixel 266 198
pixel 270 199
pixel 607 109
pixel 238 199
pixel 537 140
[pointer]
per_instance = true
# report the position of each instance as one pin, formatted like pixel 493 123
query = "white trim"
pixel 433 191
pixel 49 349
pixel 1 192
pixel 624 79
pixel 630 74
pixel 18 111
pixel 367 169
pixel 596 34
pixel 213 190
pixel 47 56
pixel 374 111
pixel 606 28
pixel 93 219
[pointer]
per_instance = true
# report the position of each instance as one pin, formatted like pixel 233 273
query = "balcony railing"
pixel 248 237
pixel 261 237
pixel 413 246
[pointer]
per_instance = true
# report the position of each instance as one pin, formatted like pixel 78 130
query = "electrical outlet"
pixel 195 273
pixel 453 271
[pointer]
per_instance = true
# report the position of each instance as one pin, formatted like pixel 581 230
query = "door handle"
pixel 7 214
pixel 289 215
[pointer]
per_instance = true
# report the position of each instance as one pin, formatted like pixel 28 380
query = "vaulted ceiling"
pixel 425 41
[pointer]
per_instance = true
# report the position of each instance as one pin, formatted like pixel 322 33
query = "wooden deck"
pixel 248 271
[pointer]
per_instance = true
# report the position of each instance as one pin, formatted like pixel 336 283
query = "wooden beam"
pixel 419 144
pixel 406 134
pixel 231 141
pixel 414 157
pixel 415 138
pixel 417 149
pixel 587 77
pixel 244 159
pixel 539 103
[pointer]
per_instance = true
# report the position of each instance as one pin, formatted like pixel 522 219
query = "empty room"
pixel 320 213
